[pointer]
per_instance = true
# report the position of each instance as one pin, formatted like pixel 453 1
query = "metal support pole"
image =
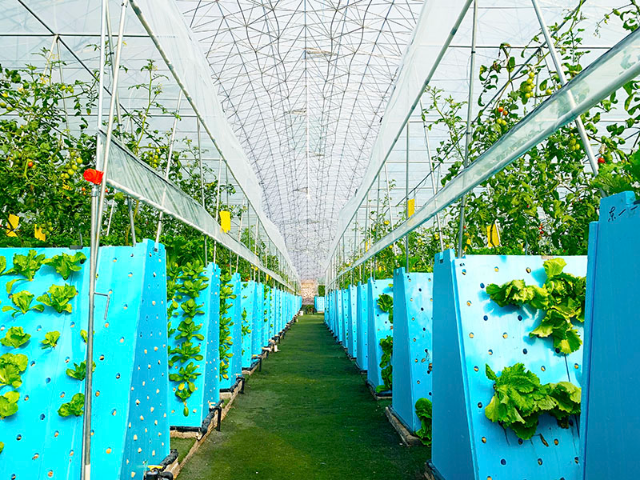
pixel 206 253
pixel 366 226
pixel 132 221
pixel 375 237
pixel 239 237
pixel 467 145
pixel 434 187
pixel 255 246
pixel 113 205
pixel 168 169
pixel 406 194
pixel 97 210
pixel 563 81
pixel 215 244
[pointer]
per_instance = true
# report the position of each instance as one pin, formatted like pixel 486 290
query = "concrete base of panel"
pixel 408 438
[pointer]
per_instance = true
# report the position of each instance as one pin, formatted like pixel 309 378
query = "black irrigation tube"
pixel 159 473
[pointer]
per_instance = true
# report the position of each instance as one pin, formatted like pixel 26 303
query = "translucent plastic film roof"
pixel 305 85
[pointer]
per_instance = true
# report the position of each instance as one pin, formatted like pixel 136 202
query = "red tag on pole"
pixel 92 175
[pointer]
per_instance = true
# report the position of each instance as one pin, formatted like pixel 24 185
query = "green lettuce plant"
pixel 15 337
pixel 26 265
pixel 66 264
pixel 519 399
pixel 185 388
pixel 50 339
pixel 562 298
pixel 226 322
pixel 22 301
pixel 11 369
pixel 73 407
pixel 59 297
pixel 424 412
pixel 385 364
pixel 385 303
pixel 9 404
pixel 79 372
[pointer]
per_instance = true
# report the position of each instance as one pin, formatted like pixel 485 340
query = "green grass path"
pixel 307 415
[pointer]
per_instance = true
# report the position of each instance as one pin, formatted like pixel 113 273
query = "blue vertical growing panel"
pixel 258 320
pixel 212 372
pixel 472 331
pixel 328 316
pixel 229 325
pixel 272 314
pixel 363 322
pixel 352 344
pixel 130 428
pixel 339 315
pixel 236 315
pixel 609 421
pixel 266 310
pixel 248 306
pixel 332 312
pixel 345 318
pixel 378 328
pixel 189 303
pixel 267 315
pixel 319 304
pixel 278 322
pixel 411 360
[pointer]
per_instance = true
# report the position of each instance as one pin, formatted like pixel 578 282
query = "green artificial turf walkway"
pixel 307 415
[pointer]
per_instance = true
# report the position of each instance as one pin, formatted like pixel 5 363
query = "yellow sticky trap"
pixel 366 246
pixel 411 206
pixel 225 220
pixel 14 221
pixel 493 235
pixel 39 234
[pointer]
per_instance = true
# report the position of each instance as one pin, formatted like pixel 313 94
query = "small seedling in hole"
pixel 15 337
pixel 11 368
pixel 9 404
pixel 50 340
pixel 74 407
pixel 22 301
pixel 79 372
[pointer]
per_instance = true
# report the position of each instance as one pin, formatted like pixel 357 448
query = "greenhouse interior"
pixel 297 195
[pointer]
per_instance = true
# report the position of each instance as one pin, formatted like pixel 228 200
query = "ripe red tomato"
pixel 601 160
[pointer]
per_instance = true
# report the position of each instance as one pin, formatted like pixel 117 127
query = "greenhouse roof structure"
pixel 305 85
pixel 315 112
